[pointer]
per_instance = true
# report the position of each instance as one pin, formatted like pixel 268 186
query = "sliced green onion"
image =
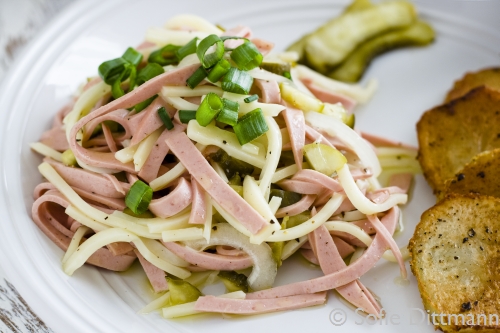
pixel 144 104
pixel 251 98
pixel 210 59
pixel 209 109
pixel 138 197
pixel 196 77
pixel 132 56
pixel 250 126
pixel 149 72
pixel 237 81
pixel 111 70
pixel 165 118
pixel 219 70
pixel 186 115
pixel 167 55
pixel 247 56
pixel 287 75
pixel 229 112
pixel 187 49
pixel 116 88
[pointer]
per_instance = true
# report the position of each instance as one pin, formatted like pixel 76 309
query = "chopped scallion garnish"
pixel 112 70
pixel 138 197
pixel 251 98
pixel 219 70
pixel 196 77
pixel 186 115
pixel 132 56
pixel 287 75
pixel 247 56
pixel 208 59
pixel 167 55
pixel 147 73
pixel 187 49
pixel 229 112
pixel 165 118
pixel 250 126
pixel 208 109
pixel 237 81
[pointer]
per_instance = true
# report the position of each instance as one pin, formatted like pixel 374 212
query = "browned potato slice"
pixel 489 77
pixel 455 256
pixel 450 135
pixel 480 176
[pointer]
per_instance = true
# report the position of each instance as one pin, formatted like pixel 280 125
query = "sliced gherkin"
pixel 351 70
pixel 295 220
pixel 232 166
pixel 234 281
pixel 287 197
pixel 182 292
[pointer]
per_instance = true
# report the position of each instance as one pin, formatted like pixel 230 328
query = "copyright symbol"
pixel 338 317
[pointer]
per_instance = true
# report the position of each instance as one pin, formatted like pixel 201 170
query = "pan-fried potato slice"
pixel 334 41
pixel 489 77
pixel 351 70
pixel 455 256
pixel 450 135
pixel 480 176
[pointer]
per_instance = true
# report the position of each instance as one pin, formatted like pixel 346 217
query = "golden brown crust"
pixel 450 135
pixel 489 77
pixel 455 256
pixel 480 176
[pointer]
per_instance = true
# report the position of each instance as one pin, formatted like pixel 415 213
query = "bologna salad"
pixel 207 157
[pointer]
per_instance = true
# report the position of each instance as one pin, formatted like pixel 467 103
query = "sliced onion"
pixel 264 269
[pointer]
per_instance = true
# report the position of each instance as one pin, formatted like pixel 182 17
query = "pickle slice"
pixel 351 70
pixel 323 158
pixel 182 292
pixel 233 281
pixel 332 43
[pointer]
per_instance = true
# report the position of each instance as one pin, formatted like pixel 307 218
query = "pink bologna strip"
pixel 206 176
pixel 257 306
pixel 340 278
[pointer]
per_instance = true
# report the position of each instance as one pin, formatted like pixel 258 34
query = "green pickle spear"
pixel 351 70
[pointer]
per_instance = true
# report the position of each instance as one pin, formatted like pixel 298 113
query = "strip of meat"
pixel 220 191
pixel 331 261
pixel 87 180
pixel 264 46
pixel 174 202
pixel 41 213
pixel 209 261
pixel 313 176
pixel 328 96
pixel 269 91
pixel 256 306
pixel 401 180
pixel 151 167
pixel 381 230
pixel 340 278
pixel 379 141
pixel 151 120
pixel 198 207
pixel 295 123
pixel 297 208
pixel 145 91
pixel 155 275
pixel 302 187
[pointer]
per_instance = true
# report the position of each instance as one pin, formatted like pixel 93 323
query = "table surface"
pixel 21 20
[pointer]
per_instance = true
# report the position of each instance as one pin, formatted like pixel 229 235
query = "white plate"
pixel 411 81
